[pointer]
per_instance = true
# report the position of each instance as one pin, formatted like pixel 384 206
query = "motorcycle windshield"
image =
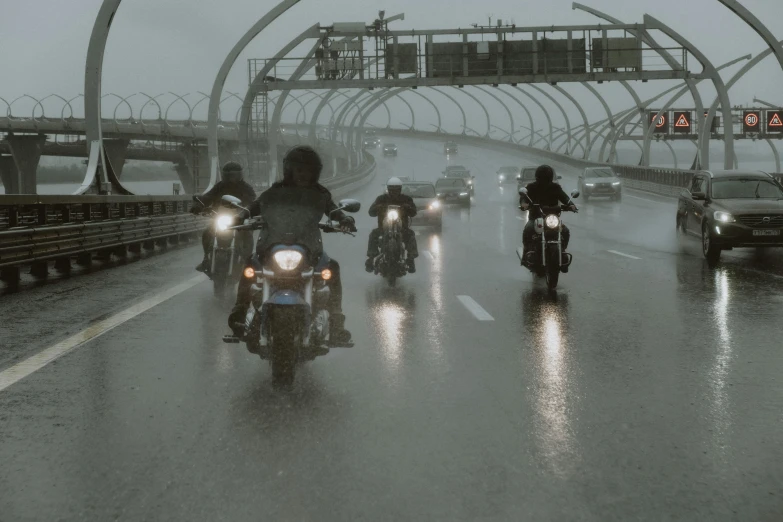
pixel 292 217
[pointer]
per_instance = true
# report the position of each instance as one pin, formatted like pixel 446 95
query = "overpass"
pixel 644 388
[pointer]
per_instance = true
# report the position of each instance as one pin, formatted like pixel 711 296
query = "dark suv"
pixel 450 147
pixel 732 209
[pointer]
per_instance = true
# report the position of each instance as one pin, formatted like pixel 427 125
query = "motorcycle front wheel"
pixel 284 349
pixel 552 268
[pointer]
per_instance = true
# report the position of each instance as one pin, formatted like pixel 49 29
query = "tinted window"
pixel 508 170
pixel 419 191
pixel 529 174
pixel 745 188
pixel 455 182
pixel 698 184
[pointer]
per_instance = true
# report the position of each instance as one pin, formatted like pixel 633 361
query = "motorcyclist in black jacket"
pixel 290 208
pixel 543 191
pixel 231 184
pixel 393 196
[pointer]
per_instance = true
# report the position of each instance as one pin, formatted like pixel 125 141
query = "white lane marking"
pixel 621 254
pixel 475 308
pixel 34 363
pixel 429 254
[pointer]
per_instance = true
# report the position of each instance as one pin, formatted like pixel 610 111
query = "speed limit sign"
pixel 751 121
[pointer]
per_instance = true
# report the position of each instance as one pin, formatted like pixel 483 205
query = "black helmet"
pixel 302 156
pixel 232 172
pixel 545 174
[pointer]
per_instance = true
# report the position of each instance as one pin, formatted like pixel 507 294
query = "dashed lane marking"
pixel 615 252
pixel 429 254
pixel 19 371
pixel 475 308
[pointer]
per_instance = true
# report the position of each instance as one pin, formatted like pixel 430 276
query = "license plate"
pixel 766 232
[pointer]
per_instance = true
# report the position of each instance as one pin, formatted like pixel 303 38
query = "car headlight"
pixel 463 193
pixel 393 215
pixel 288 259
pixel 502 177
pixel 435 205
pixel 615 183
pixel 552 221
pixel 723 217
pixel 470 182
pixel 224 221
pixel 589 184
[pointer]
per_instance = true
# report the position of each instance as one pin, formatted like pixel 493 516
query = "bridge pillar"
pixel 26 151
pixel 186 177
pixel 116 151
pixel 9 174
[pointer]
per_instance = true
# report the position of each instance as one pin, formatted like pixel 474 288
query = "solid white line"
pixel 34 363
pixel 475 308
pixel 621 254
pixel 429 254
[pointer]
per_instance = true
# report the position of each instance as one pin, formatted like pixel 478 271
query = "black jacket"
pixel 548 195
pixel 241 190
pixel 384 200
pixel 292 213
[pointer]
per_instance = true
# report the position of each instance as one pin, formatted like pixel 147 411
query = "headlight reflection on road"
pixel 390 316
pixel 435 327
pixel 721 415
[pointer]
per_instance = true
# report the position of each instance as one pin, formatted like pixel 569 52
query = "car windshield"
pixel 529 174
pixel 454 182
pixel 390 145
pixel 419 191
pixel 600 173
pixel 745 188
pixel 508 170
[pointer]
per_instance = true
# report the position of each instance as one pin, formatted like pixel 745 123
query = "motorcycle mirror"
pixel 522 191
pixel 575 194
pixel 231 200
pixel 350 205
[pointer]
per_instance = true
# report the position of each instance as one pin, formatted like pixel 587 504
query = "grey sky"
pixel 178 45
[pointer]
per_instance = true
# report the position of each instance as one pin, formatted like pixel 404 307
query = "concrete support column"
pixel 116 151
pixel 9 174
pixel 186 177
pixel 26 150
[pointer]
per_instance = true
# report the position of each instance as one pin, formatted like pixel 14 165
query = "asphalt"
pixel 647 388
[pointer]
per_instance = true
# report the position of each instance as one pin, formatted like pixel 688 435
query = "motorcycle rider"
pixel 292 208
pixel 393 196
pixel 231 184
pixel 543 191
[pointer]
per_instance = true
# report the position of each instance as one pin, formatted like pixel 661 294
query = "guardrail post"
pixel 39 269
pixel 63 265
pixel 10 276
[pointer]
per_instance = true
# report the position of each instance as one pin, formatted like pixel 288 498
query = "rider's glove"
pixel 348 223
pixel 243 215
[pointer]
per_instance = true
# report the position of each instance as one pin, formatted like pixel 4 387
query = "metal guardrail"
pixel 36 229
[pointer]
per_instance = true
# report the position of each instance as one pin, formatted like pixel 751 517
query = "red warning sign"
pixel 682 122
pixel 751 121
pixel 661 124
pixel 775 121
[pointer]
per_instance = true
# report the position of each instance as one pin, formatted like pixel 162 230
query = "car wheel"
pixel 618 197
pixel 710 250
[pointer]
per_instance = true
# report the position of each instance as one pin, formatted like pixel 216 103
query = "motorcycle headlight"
pixel 224 221
pixel 435 205
pixel 288 259
pixel 393 215
pixel 552 221
pixel 723 217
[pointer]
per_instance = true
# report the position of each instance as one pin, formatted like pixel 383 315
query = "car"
pixel 731 209
pixel 458 171
pixel 453 190
pixel 507 175
pixel 600 182
pixel 527 175
pixel 368 143
pixel 390 149
pixel 369 132
pixel 450 147
pixel 429 208
pixel 376 141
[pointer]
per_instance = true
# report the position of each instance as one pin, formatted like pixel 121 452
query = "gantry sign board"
pixel 357 55
pixel 775 121
pixel 661 123
pixel 682 122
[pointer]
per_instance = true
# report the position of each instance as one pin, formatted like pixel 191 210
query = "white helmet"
pixel 394 182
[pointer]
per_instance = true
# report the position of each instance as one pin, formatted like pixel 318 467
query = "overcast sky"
pixel 158 46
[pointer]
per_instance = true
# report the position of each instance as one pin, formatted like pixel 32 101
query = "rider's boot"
pixel 338 335
pixel 564 263
pixel 204 266
pixel 236 320
pixel 369 264
pixel 411 265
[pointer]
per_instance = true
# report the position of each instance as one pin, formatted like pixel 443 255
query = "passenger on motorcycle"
pixel 231 184
pixel 291 210
pixel 543 191
pixel 393 196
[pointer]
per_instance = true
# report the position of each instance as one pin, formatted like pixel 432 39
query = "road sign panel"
pixel 715 122
pixel 751 121
pixel 683 122
pixel 775 121
pixel 662 123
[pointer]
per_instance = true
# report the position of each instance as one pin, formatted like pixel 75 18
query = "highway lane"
pixel 648 388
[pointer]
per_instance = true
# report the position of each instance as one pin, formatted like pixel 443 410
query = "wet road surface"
pixel 647 388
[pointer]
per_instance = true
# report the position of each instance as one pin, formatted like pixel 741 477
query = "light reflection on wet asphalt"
pixel 642 390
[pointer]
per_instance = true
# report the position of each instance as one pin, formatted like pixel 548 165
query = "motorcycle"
pixel 287 322
pixel 546 257
pixel 390 261
pixel 228 248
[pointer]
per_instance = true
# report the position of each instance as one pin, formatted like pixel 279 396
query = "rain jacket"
pixel 548 195
pixel 384 200
pixel 241 190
